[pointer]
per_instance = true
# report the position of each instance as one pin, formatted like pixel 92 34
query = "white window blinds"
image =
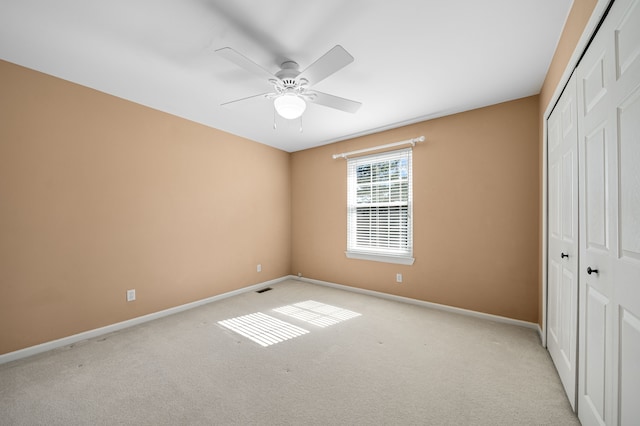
pixel 380 206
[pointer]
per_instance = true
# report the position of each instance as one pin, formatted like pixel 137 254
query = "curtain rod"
pixel 411 142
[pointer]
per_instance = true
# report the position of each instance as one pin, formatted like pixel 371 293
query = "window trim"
pixel 373 254
pixel 401 260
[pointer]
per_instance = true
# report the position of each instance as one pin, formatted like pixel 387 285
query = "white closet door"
pixel 626 267
pixel 609 146
pixel 562 319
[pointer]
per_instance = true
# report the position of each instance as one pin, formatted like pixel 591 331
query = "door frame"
pixel 589 31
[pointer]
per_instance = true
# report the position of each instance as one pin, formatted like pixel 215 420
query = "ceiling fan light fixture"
pixel 289 105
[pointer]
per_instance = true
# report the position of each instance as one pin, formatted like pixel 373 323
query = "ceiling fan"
pixel 292 87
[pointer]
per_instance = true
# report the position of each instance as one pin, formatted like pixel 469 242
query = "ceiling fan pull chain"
pixel 300 124
pixel 274 119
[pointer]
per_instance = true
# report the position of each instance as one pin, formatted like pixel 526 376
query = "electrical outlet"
pixel 259 268
pixel 131 295
pixel 299 274
pixel 398 278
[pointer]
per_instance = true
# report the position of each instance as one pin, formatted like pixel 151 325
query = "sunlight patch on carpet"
pixel 317 313
pixel 263 329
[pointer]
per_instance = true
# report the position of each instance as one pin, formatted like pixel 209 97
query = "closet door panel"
pixel 629 371
pixel 595 165
pixel 627 36
pixel 568 342
pixel 553 301
pixel 562 319
pixel 593 83
pixel 626 267
pixel 594 389
pixel 554 201
pixel 569 188
pixel 596 318
pixel 609 150
pixel 629 192
pixel 598 155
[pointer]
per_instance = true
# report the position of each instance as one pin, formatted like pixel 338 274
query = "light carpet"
pixel 394 364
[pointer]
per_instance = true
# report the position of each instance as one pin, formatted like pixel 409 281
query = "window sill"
pixel 402 260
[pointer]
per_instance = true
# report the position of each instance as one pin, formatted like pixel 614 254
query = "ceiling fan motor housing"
pixel 290 70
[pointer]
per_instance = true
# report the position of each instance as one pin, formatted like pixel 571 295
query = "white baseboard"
pixel 541 335
pixel 90 334
pixel 432 305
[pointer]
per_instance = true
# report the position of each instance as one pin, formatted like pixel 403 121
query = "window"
pixel 379 203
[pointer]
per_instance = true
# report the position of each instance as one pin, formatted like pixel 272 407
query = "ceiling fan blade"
pixel 332 61
pixel 248 98
pixel 336 102
pixel 243 62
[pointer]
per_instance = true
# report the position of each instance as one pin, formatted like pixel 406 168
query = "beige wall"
pixel 99 195
pixel 475 213
pixel 577 20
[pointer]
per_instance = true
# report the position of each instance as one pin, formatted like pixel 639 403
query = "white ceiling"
pixel 414 59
